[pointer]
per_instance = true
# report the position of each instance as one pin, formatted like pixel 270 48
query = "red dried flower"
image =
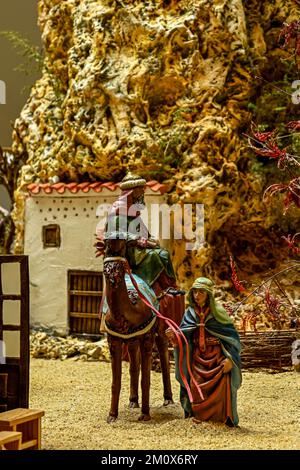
pixel 293 126
pixel 273 304
pixel 271 150
pixel 292 196
pixel 263 136
pixel 264 144
pixel 236 282
pixel 290 33
pixel 291 243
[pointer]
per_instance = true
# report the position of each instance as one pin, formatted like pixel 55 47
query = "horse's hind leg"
pixel 162 346
pixel 146 345
pixel 134 370
pixel 115 347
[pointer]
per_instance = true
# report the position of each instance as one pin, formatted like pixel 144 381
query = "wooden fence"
pixel 268 349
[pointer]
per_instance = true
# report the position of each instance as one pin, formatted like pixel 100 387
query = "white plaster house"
pixel 65 276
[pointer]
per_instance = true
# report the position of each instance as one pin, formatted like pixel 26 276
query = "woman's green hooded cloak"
pixel 219 324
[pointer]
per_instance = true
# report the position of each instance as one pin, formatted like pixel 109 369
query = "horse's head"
pixel 114 260
pixel 115 247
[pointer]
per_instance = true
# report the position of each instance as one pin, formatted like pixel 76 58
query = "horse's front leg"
pixel 146 346
pixel 115 347
pixel 134 370
pixel 162 344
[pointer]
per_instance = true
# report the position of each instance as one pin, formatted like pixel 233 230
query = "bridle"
pixel 115 274
pixel 113 269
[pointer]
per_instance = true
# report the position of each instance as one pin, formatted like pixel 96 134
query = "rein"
pixel 171 324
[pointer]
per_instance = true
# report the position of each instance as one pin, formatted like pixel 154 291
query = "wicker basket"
pixel 268 349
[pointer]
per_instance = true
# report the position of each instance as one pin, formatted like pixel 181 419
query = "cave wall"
pixel 162 88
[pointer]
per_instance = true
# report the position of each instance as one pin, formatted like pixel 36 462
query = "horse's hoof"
pixel 168 402
pixel 111 419
pixel 133 404
pixel 196 421
pixel 144 417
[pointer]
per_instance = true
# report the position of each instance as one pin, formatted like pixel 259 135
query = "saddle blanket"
pixel 143 288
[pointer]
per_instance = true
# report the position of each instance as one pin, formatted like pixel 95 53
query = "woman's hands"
pixel 227 365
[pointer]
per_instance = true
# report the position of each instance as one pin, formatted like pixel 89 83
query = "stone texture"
pixel 47 346
pixel 162 88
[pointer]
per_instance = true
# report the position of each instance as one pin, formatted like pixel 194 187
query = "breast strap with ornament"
pixel 132 332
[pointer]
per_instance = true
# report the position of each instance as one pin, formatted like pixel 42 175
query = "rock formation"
pixel 49 346
pixel 165 88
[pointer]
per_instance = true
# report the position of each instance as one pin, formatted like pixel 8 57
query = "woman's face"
pixel 200 296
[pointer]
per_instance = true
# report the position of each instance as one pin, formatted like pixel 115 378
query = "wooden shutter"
pixel 85 290
pixel 14 332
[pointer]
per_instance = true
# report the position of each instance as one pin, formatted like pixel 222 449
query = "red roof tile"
pixel 74 188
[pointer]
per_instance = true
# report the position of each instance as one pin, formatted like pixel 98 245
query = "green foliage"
pixel 34 59
pixel 170 150
pixel 252 107
pixel 262 127
pixel 295 143
pixel 33 55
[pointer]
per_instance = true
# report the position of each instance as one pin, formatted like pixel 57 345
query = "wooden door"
pixel 14 332
pixel 85 290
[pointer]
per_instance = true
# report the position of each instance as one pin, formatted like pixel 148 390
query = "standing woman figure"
pixel 214 348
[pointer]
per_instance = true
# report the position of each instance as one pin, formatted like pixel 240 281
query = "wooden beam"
pixel 83 315
pixel 11 327
pixel 11 297
pixel 86 292
pixel 11 258
pixel 24 347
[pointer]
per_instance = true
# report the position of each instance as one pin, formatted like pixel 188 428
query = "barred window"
pixel 51 236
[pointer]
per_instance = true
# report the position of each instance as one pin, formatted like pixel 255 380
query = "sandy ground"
pixel 76 398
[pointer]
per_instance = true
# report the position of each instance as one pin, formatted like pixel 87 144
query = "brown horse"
pixel 133 324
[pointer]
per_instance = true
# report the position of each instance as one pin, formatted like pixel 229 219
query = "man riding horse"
pixel 145 256
pixel 127 238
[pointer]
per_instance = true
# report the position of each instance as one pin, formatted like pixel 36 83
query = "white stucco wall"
pixel 48 268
